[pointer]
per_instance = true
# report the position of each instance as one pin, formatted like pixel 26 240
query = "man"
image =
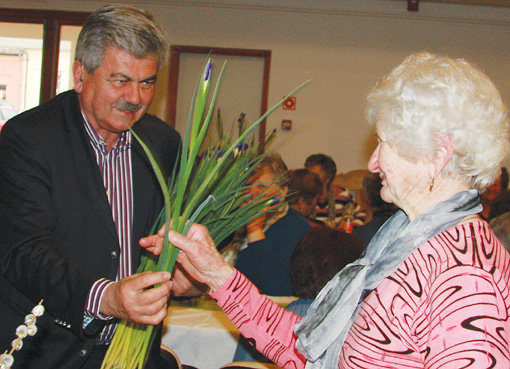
pixel 381 210
pixel 334 199
pixel 77 192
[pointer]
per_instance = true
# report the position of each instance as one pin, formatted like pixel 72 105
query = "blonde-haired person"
pixel 262 249
pixel 432 289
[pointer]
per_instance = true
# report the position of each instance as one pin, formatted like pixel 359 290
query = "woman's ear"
pixel 443 154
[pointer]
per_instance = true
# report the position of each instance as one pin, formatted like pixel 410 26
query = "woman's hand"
pixel 184 286
pixel 198 257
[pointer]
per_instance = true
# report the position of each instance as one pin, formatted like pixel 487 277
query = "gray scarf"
pixel 321 333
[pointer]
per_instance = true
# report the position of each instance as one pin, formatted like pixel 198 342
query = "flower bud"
pixel 6 361
pixel 21 331
pixel 32 330
pixel 30 319
pixel 17 344
pixel 38 310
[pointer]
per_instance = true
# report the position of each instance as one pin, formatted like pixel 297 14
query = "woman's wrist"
pixel 221 276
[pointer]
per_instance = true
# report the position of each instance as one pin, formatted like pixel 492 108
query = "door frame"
pixel 173 77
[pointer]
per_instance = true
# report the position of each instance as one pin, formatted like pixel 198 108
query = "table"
pixel 201 334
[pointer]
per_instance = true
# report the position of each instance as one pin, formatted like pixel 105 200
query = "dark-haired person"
pixel 331 203
pixel 319 255
pixel 305 187
pixel 77 193
pixel 488 196
pixel 500 204
pixel 380 210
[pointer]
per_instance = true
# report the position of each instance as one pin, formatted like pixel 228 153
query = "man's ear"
pixel 78 76
pixel 443 154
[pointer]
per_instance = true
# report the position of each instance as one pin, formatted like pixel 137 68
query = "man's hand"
pixel 135 298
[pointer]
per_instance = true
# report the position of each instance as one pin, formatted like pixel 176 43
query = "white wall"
pixel 343 46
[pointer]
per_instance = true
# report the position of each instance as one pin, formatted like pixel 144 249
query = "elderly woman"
pixel 432 289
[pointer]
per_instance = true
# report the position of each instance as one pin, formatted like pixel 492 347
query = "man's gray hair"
pixel 125 27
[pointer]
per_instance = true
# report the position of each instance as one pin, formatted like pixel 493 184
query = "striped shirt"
pixel 115 168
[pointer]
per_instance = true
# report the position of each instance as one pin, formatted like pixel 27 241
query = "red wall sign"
pixel 289 104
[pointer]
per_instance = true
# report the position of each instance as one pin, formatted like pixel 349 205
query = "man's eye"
pixel 147 84
pixel 118 82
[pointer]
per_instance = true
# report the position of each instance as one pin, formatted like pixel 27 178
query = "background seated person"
pixel 380 209
pixel 501 227
pixel 319 255
pixel 500 204
pixel 304 189
pixel 263 253
pixel 488 196
pixel 330 204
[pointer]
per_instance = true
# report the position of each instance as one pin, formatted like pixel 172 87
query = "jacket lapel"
pixel 92 186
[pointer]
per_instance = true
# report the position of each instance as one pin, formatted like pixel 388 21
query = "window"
pixel 36 54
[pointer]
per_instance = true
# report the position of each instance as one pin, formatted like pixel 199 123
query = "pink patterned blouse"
pixel 446 306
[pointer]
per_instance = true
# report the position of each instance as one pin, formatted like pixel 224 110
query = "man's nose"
pixel 133 94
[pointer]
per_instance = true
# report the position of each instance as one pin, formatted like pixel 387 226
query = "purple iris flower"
pixel 208 71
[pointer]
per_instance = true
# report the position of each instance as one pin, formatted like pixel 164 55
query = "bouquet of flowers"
pixel 209 188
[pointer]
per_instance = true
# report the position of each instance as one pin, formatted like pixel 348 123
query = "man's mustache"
pixel 126 106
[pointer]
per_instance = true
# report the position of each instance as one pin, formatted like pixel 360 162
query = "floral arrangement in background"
pixel 209 188
pixel 24 330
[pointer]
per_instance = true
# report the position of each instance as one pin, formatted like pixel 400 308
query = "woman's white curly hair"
pixel 427 94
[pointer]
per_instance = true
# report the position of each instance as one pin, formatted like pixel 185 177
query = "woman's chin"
pixel 385 195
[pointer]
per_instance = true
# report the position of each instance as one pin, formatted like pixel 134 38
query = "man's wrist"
pixel 95 299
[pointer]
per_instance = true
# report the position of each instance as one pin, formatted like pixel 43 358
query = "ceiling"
pixel 495 3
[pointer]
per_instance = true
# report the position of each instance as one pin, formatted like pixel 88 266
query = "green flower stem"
pixel 210 190
pixel 200 101
pixel 193 152
pixel 241 139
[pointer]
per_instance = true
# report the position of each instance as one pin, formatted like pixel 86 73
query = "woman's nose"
pixel 373 162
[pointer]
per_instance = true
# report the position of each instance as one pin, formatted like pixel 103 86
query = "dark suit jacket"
pixel 57 235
